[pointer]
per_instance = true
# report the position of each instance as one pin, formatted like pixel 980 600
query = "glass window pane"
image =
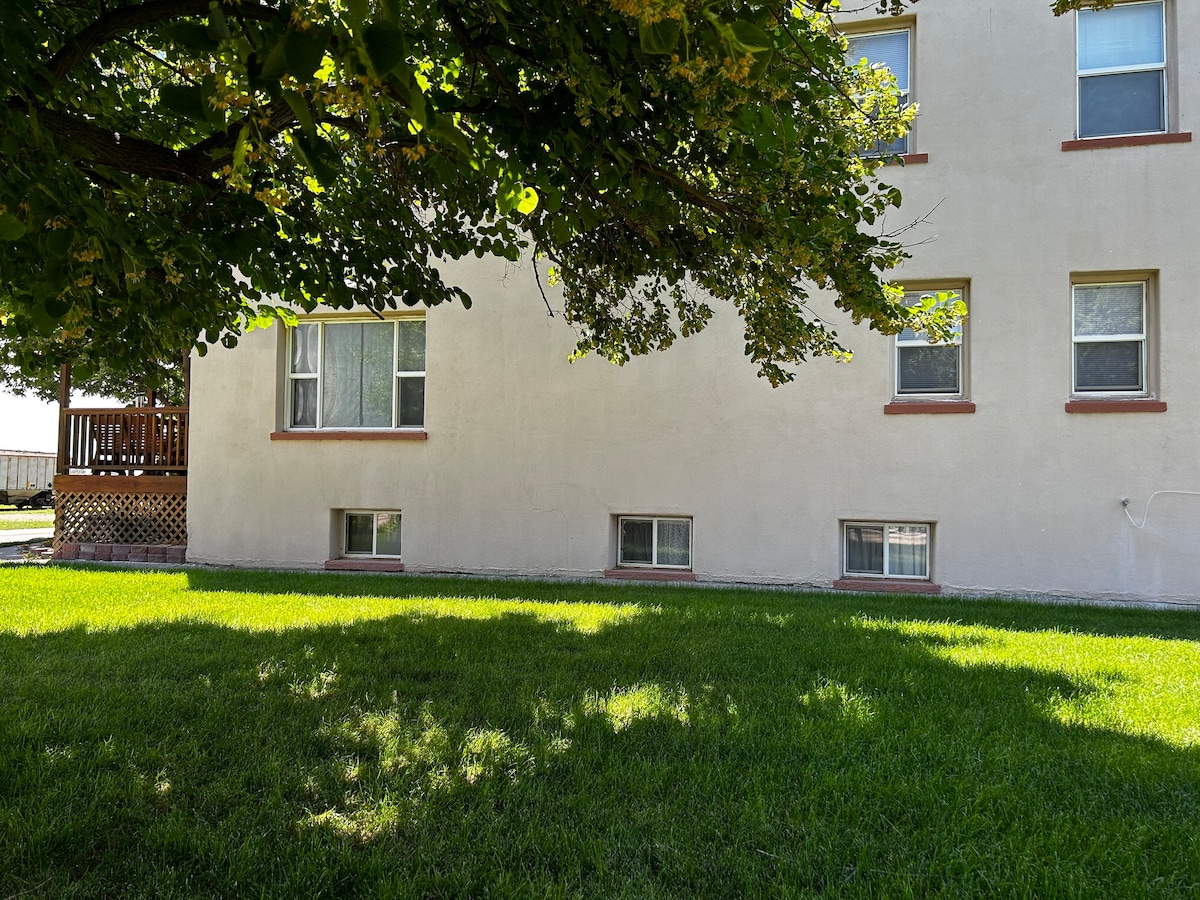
pixel 357 375
pixel 304 403
pixel 1125 36
pixel 412 402
pixel 1128 103
pixel 359 531
pixel 637 537
pixel 864 549
pixel 908 550
pixel 387 534
pixel 674 542
pixel 412 346
pixel 1108 309
pixel 1108 366
pixel 928 370
pixel 889 49
pixel 304 348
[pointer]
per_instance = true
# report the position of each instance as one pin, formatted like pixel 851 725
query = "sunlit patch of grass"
pixel 64 598
pixel 1140 686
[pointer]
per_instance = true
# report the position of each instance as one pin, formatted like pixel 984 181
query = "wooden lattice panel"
pixel 121 514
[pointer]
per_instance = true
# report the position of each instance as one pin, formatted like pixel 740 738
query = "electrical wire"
pixel 1146 511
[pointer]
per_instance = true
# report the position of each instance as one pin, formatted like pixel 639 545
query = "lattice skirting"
pixel 120 514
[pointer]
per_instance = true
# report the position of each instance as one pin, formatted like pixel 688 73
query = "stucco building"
pixel 1051 173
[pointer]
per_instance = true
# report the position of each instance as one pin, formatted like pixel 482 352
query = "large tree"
pixel 178 171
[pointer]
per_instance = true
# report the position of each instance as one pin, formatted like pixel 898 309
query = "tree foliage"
pixel 182 170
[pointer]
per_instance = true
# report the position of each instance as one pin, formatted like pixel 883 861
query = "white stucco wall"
pixel 529 458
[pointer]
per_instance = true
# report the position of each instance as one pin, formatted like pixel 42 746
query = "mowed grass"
pixel 11 519
pixel 232 734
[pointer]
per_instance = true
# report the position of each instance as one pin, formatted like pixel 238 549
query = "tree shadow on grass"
pixel 701 748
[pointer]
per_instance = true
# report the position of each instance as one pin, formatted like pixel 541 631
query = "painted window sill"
pixel 1133 140
pixel 349 435
pixel 886 585
pixel 908 159
pixel 927 407
pixel 650 574
pixel 364 565
pixel 1116 406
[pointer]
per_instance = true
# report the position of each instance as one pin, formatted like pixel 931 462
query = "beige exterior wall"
pixel 529 459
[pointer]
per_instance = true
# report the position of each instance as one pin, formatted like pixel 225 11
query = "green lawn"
pixel 12 518
pixel 233 734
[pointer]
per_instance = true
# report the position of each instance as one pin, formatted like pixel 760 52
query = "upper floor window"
pixel 1109 331
pixel 356 375
pixel 1122 64
pixel 889 49
pixel 924 367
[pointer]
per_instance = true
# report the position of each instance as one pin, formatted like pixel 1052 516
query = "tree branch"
pixel 115 22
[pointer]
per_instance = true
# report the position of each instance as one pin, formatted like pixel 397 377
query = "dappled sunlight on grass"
pixel 1111 686
pixel 32 602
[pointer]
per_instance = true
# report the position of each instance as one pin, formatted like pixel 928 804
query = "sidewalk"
pixel 13 543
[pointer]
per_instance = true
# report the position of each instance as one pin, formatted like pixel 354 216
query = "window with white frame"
pixel 1122 65
pixel 368 532
pixel 658 542
pixel 1108 325
pixel 924 367
pixel 886 550
pixel 891 50
pixel 356 375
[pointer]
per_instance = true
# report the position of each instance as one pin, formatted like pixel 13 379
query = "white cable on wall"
pixel 1146 511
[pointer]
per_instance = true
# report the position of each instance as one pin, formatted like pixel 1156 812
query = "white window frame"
pixel 397 375
pixel 374 514
pixel 1081 74
pixel 1142 338
pixel 905 93
pixel 886 526
pixel 654 564
pixel 917 340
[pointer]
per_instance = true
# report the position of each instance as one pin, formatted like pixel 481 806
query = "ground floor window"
pixel 371 533
pixel 654 541
pixel 887 550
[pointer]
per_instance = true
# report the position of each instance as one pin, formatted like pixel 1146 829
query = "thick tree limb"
pixel 123 19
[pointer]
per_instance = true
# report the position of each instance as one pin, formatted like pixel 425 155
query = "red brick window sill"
pixel 1134 140
pixel 649 575
pixel 908 159
pixel 364 565
pixel 349 436
pixel 1115 406
pixel 926 407
pixel 886 585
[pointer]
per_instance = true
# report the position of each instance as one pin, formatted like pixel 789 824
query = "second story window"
pixel 1122 70
pixel 924 367
pixel 889 49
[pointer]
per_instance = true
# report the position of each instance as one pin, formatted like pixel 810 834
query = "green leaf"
pixel 11 228
pixel 218 28
pixel 659 38
pixel 356 12
pixel 186 100
pixel 749 38
pixel 528 201
pixel 303 52
pixel 303 114
pixel 190 36
pixel 386 46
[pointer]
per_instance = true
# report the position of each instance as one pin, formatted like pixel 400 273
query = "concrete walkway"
pixel 13 543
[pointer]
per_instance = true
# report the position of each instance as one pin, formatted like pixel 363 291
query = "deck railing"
pixel 138 441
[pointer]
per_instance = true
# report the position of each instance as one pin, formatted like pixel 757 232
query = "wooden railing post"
pixel 62 466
